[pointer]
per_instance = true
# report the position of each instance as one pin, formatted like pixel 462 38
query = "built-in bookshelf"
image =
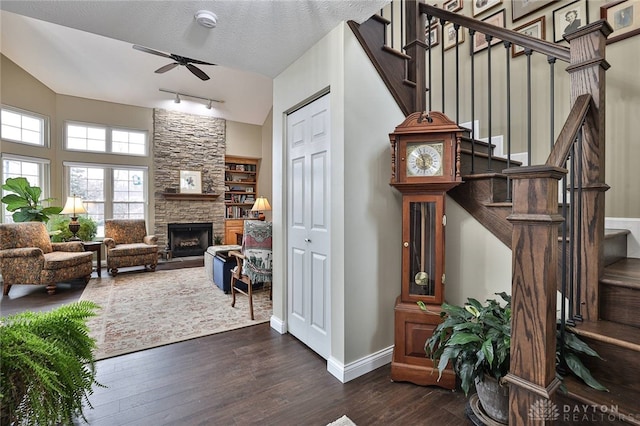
pixel 241 186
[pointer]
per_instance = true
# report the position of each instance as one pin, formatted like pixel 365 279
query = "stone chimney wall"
pixel 187 142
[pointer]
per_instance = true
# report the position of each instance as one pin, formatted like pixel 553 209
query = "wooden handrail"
pixel 537 45
pixel 560 152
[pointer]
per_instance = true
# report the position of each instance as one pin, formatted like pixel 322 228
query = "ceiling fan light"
pixel 206 19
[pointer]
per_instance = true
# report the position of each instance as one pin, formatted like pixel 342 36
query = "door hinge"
pixel 443 279
pixel 444 220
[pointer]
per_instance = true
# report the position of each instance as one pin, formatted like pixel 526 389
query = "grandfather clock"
pixel 425 161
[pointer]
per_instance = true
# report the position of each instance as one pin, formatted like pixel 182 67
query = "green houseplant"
pixel 47 365
pixel 58 227
pixel 25 201
pixel 476 340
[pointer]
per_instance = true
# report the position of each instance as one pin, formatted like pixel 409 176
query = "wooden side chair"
pixel 253 264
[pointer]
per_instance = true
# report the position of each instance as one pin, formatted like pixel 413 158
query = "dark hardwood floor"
pixel 248 376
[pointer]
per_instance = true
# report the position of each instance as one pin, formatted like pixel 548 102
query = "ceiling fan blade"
pixel 195 61
pixel 167 67
pixel 153 52
pixel 198 72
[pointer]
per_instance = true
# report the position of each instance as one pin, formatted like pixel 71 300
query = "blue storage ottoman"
pixel 218 265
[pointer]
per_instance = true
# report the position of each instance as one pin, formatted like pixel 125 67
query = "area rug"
pixel 142 310
pixel 342 421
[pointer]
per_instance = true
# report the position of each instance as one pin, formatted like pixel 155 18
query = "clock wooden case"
pixel 425 164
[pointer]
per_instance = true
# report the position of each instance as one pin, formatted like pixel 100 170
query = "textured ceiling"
pixel 83 48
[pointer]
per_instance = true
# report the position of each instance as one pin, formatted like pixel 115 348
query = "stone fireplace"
pixel 188 142
pixel 189 239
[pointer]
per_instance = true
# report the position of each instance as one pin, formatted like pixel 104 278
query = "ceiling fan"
pixel 177 60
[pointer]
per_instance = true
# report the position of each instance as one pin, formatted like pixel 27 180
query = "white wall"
pixel 366 212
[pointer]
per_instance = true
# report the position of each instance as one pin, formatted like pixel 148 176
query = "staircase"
pixel 614 330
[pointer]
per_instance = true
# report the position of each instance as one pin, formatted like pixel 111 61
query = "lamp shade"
pixel 261 205
pixel 74 207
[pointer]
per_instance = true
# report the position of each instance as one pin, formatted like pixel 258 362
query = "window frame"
pixel 108 138
pixel 44 126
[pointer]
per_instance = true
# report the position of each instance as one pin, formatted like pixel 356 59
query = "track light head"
pixel 209 105
pixel 177 99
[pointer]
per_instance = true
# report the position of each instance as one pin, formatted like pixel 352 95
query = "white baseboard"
pixel 355 369
pixel 278 325
pixel 633 225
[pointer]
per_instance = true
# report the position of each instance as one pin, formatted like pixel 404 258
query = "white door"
pixel 308 138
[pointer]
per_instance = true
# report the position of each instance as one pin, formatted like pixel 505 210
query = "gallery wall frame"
pixel 452 5
pixel 432 35
pixel 522 8
pixel 564 23
pixel 480 40
pixel 480 6
pixel 624 18
pixel 534 28
pixel 449 36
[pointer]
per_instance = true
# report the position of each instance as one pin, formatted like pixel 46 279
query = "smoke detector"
pixel 206 19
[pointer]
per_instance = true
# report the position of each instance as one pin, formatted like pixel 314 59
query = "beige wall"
pixel 19 89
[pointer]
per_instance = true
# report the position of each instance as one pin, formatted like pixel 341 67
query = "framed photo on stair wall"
pixel 568 18
pixel 480 40
pixel 480 6
pixel 522 8
pixel 624 18
pixel 450 36
pixel 533 29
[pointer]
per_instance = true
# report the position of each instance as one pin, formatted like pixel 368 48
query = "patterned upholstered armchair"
pixel 128 244
pixel 27 256
pixel 253 265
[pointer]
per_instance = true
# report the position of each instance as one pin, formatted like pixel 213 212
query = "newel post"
pixel 532 375
pixel 587 75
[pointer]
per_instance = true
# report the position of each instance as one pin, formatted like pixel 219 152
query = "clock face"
pixel 424 159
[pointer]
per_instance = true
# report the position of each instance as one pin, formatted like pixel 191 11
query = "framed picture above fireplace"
pixel 190 182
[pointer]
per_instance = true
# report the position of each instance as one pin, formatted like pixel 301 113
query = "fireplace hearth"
pixel 189 239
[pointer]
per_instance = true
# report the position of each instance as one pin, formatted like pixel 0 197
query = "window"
pixel 23 127
pixel 125 142
pixel 109 191
pixel 96 138
pixel 85 138
pixel 33 169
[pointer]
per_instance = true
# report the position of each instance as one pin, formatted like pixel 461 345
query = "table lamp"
pixel 261 205
pixel 74 207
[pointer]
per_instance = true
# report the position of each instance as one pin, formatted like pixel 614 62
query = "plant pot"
pixel 494 398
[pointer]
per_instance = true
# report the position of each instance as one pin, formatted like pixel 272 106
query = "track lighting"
pixel 177 98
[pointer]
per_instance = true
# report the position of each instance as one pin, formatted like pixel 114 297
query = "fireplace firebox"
pixel 189 239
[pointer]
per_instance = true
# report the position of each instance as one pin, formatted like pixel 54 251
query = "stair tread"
pixel 625 272
pixel 625 402
pixel 610 332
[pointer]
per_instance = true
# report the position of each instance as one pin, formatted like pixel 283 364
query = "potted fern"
pixel 476 340
pixel 47 366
